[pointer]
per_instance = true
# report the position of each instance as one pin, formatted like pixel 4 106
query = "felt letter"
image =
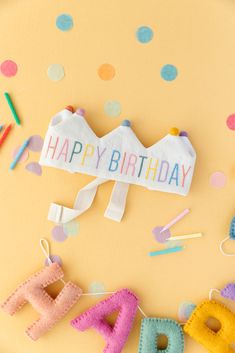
pixel 184 174
pixel 89 151
pixel 33 292
pixel 175 174
pixel 152 328
pixel 163 171
pixel 141 164
pixel 53 147
pixel 114 161
pixel 99 155
pixel 64 150
pixel 215 342
pixel 123 301
pixel 131 162
pixel 154 169
pixel 74 150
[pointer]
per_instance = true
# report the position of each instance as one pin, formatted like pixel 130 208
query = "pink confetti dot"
pixel 35 143
pixel 58 234
pixel 24 156
pixel 35 168
pixel 231 122
pixel 218 180
pixel 8 68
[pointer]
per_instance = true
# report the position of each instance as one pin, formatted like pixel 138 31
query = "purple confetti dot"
pixel 58 234
pixel 34 167
pixel 184 133
pixel 54 258
pixel 161 237
pixel 35 143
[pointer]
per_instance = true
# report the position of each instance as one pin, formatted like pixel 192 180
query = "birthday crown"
pixel 71 144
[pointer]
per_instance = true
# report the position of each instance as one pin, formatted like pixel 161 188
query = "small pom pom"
pixel 70 108
pixel 126 123
pixel 80 111
pixel 174 131
pixel 184 133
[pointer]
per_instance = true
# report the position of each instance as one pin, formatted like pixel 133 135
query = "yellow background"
pixel 195 36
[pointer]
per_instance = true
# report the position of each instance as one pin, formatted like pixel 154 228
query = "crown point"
pixel 174 131
pixel 184 133
pixel 81 111
pixel 126 123
pixel 70 108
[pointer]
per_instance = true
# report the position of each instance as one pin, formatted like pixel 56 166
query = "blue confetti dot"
pixel 169 72
pixel 64 22
pixel 144 34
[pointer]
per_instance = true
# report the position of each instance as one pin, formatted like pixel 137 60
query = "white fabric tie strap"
pixel 85 197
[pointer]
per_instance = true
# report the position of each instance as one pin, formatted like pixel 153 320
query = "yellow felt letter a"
pixel 215 342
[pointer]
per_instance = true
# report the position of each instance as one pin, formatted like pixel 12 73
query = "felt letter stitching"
pixel 124 301
pixel 32 291
pixel 152 328
pixel 215 342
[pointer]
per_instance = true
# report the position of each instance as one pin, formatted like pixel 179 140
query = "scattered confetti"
pixel 231 122
pixel 144 34
pixel 23 157
pixel 34 167
pixel 169 72
pixel 185 311
pixel 106 72
pixel 112 108
pixel 161 237
pixel 58 234
pixel 35 143
pixel 97 287
pixel 218 180
pixel 64 22
pixel 8 68
pixel 54 258
pixel 55 72
pixel 71 228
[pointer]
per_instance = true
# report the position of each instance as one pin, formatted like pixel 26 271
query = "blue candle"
pixel 19 154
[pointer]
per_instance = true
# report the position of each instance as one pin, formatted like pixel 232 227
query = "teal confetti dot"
pixel 64 22
pixel 185 311
pixel 169 72
pixel 144 34
pixel 112 108
pixel 97 287
pixel 71 228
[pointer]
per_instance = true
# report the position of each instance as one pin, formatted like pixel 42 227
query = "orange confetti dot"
pixel 106 72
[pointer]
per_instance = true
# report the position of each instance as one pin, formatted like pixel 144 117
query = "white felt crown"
pixel 71 144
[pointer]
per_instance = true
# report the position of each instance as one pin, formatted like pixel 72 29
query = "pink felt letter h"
pixel 32 291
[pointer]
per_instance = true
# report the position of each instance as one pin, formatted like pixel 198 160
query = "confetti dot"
pixel 218 180
pixel 35 168
pixel 24 156
pixel 54 258
pixel 112 108
pixel 231 122
pixel 55 72
pixel 8 68
pixel 106 72
pixel 185 311
pixel 97 287
pixel 169 72
pixel 163 236
pixel 144 34
pixel 64 22
pixel 35 143
pixel 71 228
pixel 58 234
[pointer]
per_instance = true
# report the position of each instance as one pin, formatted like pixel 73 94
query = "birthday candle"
pixel 19 154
